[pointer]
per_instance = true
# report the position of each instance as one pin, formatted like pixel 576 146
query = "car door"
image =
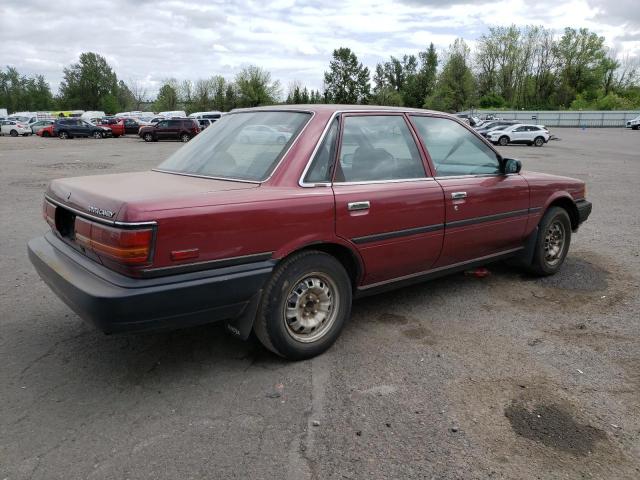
pixel 387 204
pixel 519 134
pixel 486 211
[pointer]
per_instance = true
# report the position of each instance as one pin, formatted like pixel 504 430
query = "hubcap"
pixel 311 307
pixel 554 243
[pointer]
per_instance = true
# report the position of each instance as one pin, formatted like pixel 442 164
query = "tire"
pixel 147 137
pixel 46 134
pixel 185 137
pixel 97 135
pixel 13 133
pixel 300 286
pixel 538 141
pixel 548 255
pixel 64 135
pixel 504 141
pixel 635 127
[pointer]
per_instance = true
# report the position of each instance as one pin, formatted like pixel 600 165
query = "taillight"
pixel 49 213
pixel 124 246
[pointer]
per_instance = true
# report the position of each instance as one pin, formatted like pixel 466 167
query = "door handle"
pixel 458 195
pixel 363 205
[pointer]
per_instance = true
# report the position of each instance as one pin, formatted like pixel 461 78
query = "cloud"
pixel 148 41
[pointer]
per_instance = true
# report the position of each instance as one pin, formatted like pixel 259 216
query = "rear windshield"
pixel 241 146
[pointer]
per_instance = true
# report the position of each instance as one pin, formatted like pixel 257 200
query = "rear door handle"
pixel 363 205
pixel 458 195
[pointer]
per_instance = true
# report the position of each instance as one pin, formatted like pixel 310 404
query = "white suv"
pixel 536 135
pixel 14 128
pixel 634 124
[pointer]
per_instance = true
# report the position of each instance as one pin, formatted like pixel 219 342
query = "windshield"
pixel 242 146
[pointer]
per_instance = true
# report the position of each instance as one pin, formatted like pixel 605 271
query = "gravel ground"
pixel 460 378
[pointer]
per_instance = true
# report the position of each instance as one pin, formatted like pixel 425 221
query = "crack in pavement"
pixel 301 465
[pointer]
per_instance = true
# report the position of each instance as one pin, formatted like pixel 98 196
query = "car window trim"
pixel 275 168
pixel 428 155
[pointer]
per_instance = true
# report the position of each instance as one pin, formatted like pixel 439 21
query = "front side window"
pixel 454 150
pixel 233 148
pixel 377 148
pixel 163 124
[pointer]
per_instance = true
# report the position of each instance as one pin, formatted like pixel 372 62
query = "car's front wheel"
pixel 97 135
pixel 552 244
pixel 304 306
pixel 63 135
pixel 538 142
pixel 13 133
pixel 185 137
pixel 504 141
pixel 148 137
pixel 46 134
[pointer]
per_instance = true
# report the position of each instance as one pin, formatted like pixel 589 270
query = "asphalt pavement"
pixel 505 376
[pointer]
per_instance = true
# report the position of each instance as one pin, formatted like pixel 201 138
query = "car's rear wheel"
pixel 538 142
pixel 552 244
pixel 504 141
pixel 46 134
pixel 63 135
pixel 304 305
pixel 13 133
pixel 635 127
pixel 185 137
pixel 148 137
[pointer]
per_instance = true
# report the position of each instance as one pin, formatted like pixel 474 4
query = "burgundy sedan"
pixel 277 237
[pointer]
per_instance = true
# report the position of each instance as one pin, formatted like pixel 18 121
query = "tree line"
pixel 511 67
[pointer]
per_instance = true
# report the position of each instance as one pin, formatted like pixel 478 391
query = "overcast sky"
pixel 150 40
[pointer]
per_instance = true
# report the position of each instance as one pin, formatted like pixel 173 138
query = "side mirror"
pixel 511 166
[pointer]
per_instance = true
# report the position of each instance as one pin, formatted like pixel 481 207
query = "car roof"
pixel 323 107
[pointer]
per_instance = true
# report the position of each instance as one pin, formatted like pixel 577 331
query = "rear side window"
pixel 453 149
pixel 320 170
pixel 175 123
pixel 377 148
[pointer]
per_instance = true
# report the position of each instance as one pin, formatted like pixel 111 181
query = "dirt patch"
pixel 420 333
pixel 35 184
pixel 554 427
pixel 77 165
pixel 578 274
pixel 392 319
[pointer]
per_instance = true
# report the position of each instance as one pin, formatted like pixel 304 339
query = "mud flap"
pixel 525 258
pixel 241 326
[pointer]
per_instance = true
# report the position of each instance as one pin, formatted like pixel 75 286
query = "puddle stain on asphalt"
pixel 392 318
pixel 554 427
pixel 77 165
pixel 420 333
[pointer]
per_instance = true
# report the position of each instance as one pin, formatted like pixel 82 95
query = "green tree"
pixel 167 97
pixel 347 80
pixel 230 97
pixel 88 82
pixel 455 89
pixel 256 88
pixel 387 96
pixel 20 93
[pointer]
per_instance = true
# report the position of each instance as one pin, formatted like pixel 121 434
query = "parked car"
pixel 493 125
pixel 212 115
pixel 46 131
pixel 470 119
pixel 634 123
pixel 39 125
pixel 116 126
pixel 66 128
pixel 536 135
pixel 264 134
pixel 15 128
pixel 278 239
pixel 183 129
pixel 204 123
pixel 131 125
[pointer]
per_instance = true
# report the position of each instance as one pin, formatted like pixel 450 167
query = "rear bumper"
pixel 584 210
pixel 115 303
